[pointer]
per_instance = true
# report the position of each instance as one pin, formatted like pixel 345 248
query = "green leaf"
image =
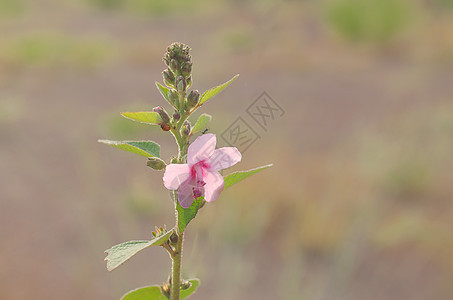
pixel 163 91
pixel 194 283
pixel 214 91
pixel 147 117
pixel 120 253
pixel 236 177
pixel 201 123
pixel 144 148
pixel 185 215
pixel 145 293
pixel 154 292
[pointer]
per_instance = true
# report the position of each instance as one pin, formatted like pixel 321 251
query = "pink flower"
pixel 200 176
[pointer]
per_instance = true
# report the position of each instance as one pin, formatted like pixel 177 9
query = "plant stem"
pixel 176 269
pixel 177 254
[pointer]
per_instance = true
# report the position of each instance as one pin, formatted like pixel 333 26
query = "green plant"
pixel 191 176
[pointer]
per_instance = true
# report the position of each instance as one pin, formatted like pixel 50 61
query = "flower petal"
pixel 201 149
pixel 175 175
pixel 214 185
pixel 224 158
pixel 185 192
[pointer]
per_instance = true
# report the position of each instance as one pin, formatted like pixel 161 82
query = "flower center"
pixel 197 172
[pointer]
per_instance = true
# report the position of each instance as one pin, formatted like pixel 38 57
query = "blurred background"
pixel 358 204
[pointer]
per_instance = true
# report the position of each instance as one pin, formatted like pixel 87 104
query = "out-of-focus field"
pixel 358 204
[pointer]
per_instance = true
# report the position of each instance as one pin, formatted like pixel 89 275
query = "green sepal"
pixel 144 148
pixel 119 254
pixel 154 292
pixel 147 117
pixel 236 177
pixel 201 123
pixel 185 215
pixel 214 91
pixel 164 92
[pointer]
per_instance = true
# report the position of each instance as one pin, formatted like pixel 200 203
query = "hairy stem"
pixel 177 253
pixel 176 269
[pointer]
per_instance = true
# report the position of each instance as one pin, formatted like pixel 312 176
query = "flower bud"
pixel 176 116
pixel 186 69
pixel 185 284
pixel 165 289
pixel 185 130
pixel 189 81
pixel 156 163
pixel 169 78
pixel 174 66
pixel 181 84
pixel 163 114
pixel 173 97
pixel 174 238
pixel 166 60
pixel 193 98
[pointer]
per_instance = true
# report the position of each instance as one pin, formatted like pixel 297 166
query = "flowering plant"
pixel 192 176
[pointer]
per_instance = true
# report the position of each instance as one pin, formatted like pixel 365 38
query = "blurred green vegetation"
pixel 11 8
pixel 368 20
pixel 237 38
pixel 54 50
pixel 444 4
pixel 153 7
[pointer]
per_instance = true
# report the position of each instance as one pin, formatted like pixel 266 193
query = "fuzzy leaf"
pixel 154 292
pixel 144 148
pixel 214 91
pixel 201 123
pixel 145 293
pixel 120 253
pixel 236 177
pixel 185 215
pixel 147 117
pixel 163 91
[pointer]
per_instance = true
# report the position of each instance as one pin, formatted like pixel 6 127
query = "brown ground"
pixel 357 205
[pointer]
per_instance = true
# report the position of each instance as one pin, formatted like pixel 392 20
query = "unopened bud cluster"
pixel 178 77
pixel 179 63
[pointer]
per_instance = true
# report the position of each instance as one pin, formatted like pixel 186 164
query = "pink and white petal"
pixel 175 175
pixel 185 192
pixel 201 149
pixel 214 186
pixel 224 158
